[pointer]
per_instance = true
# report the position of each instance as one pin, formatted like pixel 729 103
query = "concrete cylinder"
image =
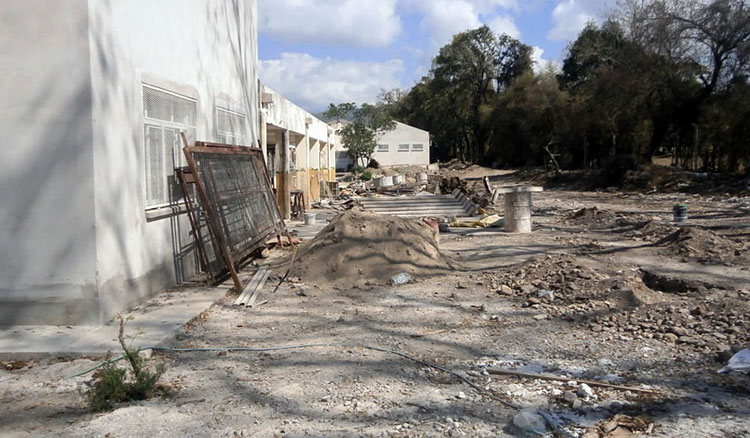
pixel 398 179
pixel 386 181
pixel 518 212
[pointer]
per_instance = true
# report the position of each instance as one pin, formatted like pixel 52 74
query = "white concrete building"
pixel 403 146
pixel 311 144
pixel 94 96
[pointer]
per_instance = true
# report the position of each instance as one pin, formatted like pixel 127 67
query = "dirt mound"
pixel 694 243
pixel 704 245
pixel 361 248
pixel 566 288
pixel 594 217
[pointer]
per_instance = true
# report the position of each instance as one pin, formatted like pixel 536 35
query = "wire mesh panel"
pixel 236 195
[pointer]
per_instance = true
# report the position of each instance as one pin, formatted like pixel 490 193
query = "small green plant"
pixel 357 170
pixel 116 385
pixel 366 175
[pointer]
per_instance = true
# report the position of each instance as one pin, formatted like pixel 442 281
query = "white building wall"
pixel 47 239
pixel 204 49
pixel 402 134
pixel 77 242
pixel 283 113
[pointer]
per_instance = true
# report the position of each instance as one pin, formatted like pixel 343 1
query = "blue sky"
pixel 320 51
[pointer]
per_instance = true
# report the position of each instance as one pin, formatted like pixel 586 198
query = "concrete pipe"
pixel 518 212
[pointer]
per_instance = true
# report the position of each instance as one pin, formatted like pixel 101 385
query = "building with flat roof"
pixel 403 146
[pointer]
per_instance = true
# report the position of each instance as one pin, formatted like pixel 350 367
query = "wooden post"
pixel 283 191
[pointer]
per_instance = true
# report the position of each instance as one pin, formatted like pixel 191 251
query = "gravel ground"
pixel 463 321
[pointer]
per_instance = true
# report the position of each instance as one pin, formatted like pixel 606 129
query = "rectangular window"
pixel 230 127
pixel 418 147
pixel 165 116
pixel 403 148
pixel 383 148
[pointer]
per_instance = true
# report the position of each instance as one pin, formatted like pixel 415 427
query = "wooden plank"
pixel 503 372
pixel 250 288
pixel 251 301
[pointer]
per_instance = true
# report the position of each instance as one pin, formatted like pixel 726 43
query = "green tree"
pixel 360 128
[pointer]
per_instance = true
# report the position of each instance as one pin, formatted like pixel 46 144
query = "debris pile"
pixel 596 218
pixel 698 315
pixel 359 248
pixel 717 323
pixel 694 243
pixel 565 288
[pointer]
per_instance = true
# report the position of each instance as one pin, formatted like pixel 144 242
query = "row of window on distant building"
pixel 165 116
pixel 403 147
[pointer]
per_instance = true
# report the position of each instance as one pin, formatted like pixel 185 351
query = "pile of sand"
pixel 362 248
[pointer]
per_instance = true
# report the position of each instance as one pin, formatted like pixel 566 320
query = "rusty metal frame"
pixel 217 206
pixel 196 215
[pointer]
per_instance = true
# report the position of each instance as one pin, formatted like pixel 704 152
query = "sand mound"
pixel 359 248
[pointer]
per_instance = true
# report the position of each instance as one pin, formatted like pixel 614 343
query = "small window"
pixel 418 147
pixel 165 116
pixel 383 148
pixel 403 148
pixel 230 127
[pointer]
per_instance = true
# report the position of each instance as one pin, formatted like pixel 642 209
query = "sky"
pixel 317 52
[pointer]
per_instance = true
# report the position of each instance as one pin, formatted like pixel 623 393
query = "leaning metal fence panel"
pixel 237 198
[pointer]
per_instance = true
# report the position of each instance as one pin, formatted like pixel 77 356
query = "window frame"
pixel 414 147
pixel 401 147
pixel 384 147
pixel 238 139
pixel 171 155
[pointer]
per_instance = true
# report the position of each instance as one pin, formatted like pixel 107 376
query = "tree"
pixel 465 75
pixel 709 40
pixel 360 127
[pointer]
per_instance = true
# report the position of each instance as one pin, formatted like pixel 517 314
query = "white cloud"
pixel 505 24
pixel 444 18
pixel 541 63
pixel 571 16
pixel 313 83
pixel 362 23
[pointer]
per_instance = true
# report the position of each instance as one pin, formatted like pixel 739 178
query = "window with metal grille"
pixel 418 147
pixel 230 127
pixel 383 148
pixel 403 148
pixel 165 116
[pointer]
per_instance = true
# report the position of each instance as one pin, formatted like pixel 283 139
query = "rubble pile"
pixel 360 248
pixel 694 243
pixel 594 217
pixel 558 279
pixel 713 324
pixel 708 319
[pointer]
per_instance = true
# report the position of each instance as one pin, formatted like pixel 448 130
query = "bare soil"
pixel 629 308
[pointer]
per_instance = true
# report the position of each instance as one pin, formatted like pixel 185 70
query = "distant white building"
pixel 403 146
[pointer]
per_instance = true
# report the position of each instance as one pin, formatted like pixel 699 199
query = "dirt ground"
pixel 605 288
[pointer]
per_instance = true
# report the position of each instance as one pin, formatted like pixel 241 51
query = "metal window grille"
pixel 418 147
pixel 165 116
pixel 403 148
pixel 230 127
pixel 382 148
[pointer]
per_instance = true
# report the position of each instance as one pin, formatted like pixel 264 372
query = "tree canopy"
pixel 360 127
pixel 659 77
